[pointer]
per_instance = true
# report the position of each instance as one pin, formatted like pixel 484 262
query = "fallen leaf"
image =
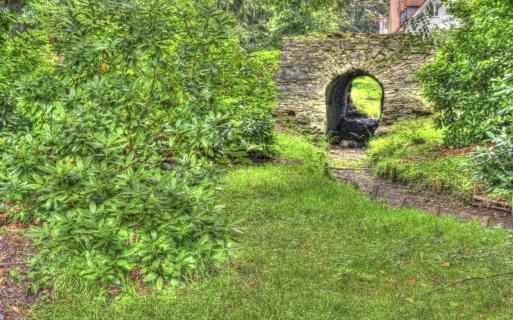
pixel 446 264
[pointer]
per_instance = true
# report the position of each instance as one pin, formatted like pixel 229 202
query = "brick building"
pixel 415 16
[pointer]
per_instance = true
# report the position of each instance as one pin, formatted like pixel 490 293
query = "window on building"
pixel 436 10
pixel 411 11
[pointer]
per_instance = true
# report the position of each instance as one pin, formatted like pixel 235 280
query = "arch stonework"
pixel 310 64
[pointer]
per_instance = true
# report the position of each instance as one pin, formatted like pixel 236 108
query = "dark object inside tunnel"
pixel 345 121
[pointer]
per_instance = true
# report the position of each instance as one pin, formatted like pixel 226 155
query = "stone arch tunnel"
pixel 343 120
pixel 316 71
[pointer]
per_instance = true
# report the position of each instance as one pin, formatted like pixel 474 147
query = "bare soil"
pixel 398 195
pixel 14 251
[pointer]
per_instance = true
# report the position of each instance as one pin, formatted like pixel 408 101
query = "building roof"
pixel 421 9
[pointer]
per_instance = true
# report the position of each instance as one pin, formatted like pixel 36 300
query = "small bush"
pixel 494 166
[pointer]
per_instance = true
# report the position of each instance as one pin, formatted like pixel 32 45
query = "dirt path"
pixel 14 250
pixel 398 195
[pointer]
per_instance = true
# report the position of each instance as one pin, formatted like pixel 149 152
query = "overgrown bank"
pixel 414 153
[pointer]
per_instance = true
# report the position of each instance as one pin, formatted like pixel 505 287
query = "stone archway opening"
pixel 354 103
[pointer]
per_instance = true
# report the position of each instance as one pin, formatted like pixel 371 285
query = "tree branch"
pixel 461 281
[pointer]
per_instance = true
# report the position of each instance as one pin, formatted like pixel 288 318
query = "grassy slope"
pixel 414 154
pixel 366 95
pixel 318 249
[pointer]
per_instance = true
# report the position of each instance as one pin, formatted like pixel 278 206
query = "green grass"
pixel 366 95
pixel 314 248
pixel 414 154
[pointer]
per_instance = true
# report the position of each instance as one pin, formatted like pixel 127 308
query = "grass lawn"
pixel 314 248
pixel 414 153
pixel 367 95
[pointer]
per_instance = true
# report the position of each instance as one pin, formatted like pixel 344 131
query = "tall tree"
pixel 253 18
pixel 362 15
pixel 295 17
pixel 263 23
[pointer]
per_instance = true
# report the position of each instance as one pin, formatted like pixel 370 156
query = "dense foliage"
pixel 125 108
pixel 362 15
pixel 263 23
pixel 4 24
pixel 471 85
pixel 470 82
pixel 494 165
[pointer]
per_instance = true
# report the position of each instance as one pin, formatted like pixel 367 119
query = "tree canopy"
pixel 264 22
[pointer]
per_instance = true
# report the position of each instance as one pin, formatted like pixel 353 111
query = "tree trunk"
pixel 14 5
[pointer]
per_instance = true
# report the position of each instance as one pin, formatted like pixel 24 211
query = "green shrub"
pixel 493 161
pixel 135 104
pixel 467 82
pixel 471 86
pixel 22 60
pixel 5 24
pixel 493 164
